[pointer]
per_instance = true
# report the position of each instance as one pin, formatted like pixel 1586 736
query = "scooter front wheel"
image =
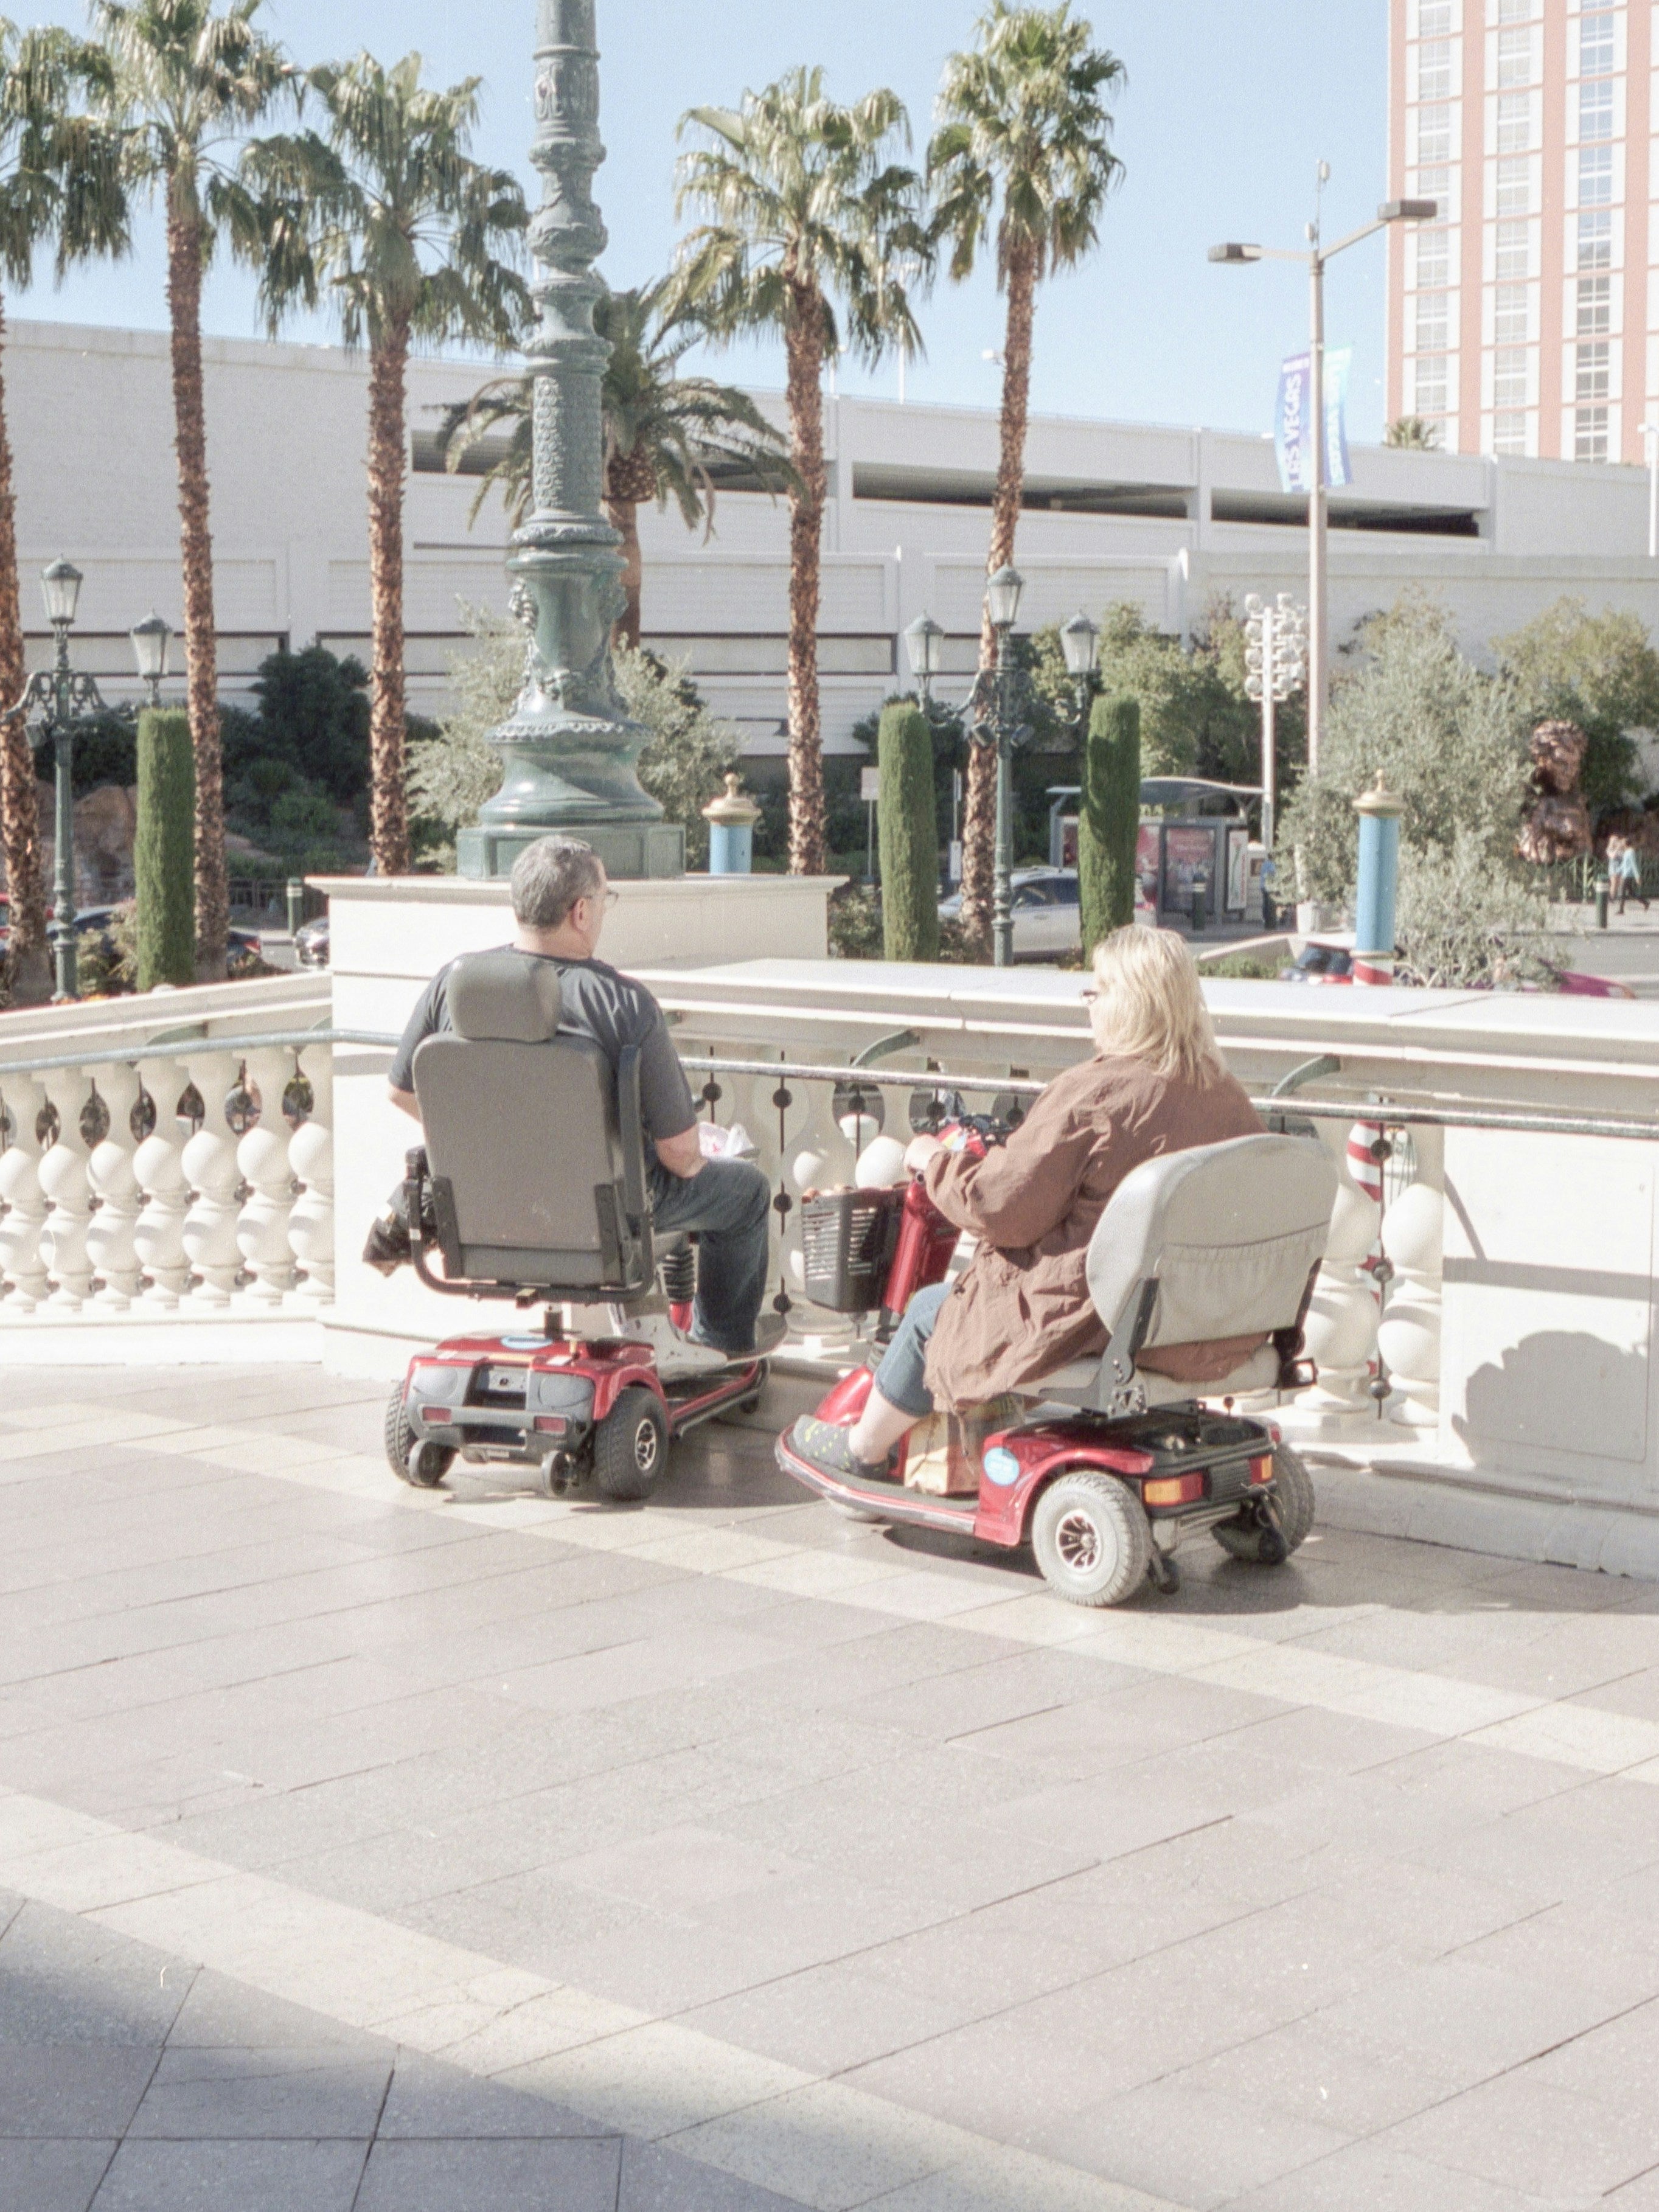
pixel 1092 1539
pixel 630 1447
pixel 413 1460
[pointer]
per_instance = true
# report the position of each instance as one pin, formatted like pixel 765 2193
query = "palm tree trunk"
pixel 629 478
pixel 195 549
pixel 979 820
pixel 28 973
pixel 804 340
pixel 388 832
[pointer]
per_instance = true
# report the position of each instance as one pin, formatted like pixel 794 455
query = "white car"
pixel 1046 916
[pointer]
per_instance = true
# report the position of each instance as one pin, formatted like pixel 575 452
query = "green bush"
pixel 1109 820
pixel 909 836
pixel 313 713
pixel 164 854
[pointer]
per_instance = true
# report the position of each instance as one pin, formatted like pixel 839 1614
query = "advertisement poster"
pixel 1239 848
pixel 1189 857
pixel 1146 861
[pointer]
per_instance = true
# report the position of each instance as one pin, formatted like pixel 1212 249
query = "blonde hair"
pixel 1151 1007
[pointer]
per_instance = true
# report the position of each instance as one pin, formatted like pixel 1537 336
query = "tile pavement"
pixel 366 1847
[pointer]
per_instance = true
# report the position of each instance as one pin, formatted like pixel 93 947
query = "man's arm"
pixel 404 1099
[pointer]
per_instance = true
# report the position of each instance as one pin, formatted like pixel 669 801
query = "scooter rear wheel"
pixel 401 1441
pixel 1092 1539
pixel 630 1447
pixel 1293 1497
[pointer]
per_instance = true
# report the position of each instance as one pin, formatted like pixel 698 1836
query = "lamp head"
pixel 1078 639
pixel 149 646
pixel 60 588
pixel 1408 211
pixel 924 642
pixel 1233 252
pixel 1002 597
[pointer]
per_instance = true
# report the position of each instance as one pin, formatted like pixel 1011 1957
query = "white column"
pixel 24 1215
pixel 310 1161
pixel 1342 1319
pixel 1413 1240
pixel 158 1164
pixel 262 1157
pixel 63 1173
pixel 111 1240
pixel 209 1165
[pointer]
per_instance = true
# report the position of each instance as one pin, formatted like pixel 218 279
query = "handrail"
pixel 1376 1111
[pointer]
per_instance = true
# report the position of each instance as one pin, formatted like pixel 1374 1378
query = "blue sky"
pixel 1229 106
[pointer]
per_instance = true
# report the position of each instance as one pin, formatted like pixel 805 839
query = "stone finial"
pixel 735 809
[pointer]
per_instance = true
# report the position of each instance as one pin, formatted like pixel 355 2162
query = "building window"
pixel 1595 306
pixel 1596 45
pixel 1430 323
pixel 1509 377
pixel 1514 59
pixel 1435 185
pixel 1514 259
pixel 1511 316
pixel 1433 257
pixel 1434 133
pixel 1590 435
pixel 1514 187
pixel 1514 11
pixel 1594 176
pixel 1508 432
pixel 1595 240
pixel 1514 121
pixel 1434 69
pixel 1594 109
pixel 1590 378
pixel 1431 384
pixel 1434 19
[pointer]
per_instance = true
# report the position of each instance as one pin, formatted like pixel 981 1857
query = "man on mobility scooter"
pixel 562 1160
pixel 1143 1243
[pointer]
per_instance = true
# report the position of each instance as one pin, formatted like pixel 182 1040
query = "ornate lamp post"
pixel 1079 641
pixel 924 642
pixel 57 700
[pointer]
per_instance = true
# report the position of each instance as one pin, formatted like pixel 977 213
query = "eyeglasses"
pixel 1089 993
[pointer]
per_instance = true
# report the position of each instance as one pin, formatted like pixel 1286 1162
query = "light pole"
pixel 924 642
pixel 57 699
pixel 1276 638
pixel 1079 641
pixel 1315 258
pixel 1650 436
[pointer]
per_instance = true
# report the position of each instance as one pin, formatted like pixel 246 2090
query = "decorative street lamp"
pixel 1234 255
pixel 57 700
pixel 1079 641
pixel 1275 650
pixel 924 642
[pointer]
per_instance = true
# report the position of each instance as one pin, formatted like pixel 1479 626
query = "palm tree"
pixel 1414 434
pixel 664 432
pixel 60 180
pixel 385 213
pixel 1023 149
pixel 806 207
pixel 186 83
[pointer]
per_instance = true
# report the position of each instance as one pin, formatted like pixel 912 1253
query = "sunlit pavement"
pixel 363 1848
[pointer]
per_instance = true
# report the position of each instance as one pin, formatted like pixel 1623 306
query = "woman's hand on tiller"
pixel 919 1152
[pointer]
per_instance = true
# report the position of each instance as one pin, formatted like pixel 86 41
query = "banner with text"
pixel 1293 430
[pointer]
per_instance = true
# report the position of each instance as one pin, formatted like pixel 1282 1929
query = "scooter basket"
pixel 847 1239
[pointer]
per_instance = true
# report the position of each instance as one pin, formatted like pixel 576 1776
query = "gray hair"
pixel 549 878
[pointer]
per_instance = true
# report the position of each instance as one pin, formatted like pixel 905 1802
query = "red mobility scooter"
pixel 1115 1463
pixel 543 1202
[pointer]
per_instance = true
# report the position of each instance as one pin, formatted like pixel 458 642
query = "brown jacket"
pixel 1022 1307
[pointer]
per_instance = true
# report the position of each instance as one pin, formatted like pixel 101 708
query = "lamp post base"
pixel 630 850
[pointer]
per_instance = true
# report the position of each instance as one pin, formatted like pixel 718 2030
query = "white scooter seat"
pixel 1075 1383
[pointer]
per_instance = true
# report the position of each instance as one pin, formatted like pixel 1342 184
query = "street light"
pixel 55 700
pixel 924 642
pixel 1650 437
pixel 1078 641
pixel 1233 253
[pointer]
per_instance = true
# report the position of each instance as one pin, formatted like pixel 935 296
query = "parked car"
pixel 310 942
pixel 1327 959
pixel 1044 905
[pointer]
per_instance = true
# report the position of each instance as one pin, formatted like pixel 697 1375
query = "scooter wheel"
pixel 426 1466
pixel 1293 1497
pixel 630 1447
pixel 413 1460
pixel 1092 1539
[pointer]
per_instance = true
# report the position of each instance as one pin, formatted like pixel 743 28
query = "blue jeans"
pixel 727 1203
pixel 900 1376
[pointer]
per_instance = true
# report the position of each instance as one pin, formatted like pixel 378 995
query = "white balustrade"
pixel 24 1218
pixel 1413 1240
pixel 112 1236
pixel 311 1163
pixel 158 1167
pixel 209 1165
pixel 1340 1332
pixel 262 1157
pixel 63 1174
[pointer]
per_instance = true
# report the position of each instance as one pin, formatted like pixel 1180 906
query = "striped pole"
pixel 1379 811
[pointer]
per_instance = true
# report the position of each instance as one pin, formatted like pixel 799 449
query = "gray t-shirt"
pixel 597 1002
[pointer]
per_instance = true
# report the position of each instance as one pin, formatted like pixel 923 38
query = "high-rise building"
pixel 1526 319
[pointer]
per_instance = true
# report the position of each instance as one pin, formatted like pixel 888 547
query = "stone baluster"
pixel 1414 1238
pixel 1342 1319
pixel 158 1165
pixel 209 1165
pixel 63 1173
pixel 311 1163
pixel 24 1217
pixel 262 1156
pixel 111 1245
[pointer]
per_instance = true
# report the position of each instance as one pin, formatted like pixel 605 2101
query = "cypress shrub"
pixel 1109 820
pixel 164 849
pixel 909 835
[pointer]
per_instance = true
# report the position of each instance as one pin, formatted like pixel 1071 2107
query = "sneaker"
pixel 388 1247
pixel 828 1446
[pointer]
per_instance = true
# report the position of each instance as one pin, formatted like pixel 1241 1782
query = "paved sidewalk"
pixel 363 1848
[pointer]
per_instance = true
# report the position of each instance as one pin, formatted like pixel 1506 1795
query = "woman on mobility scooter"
pixel 1142 1244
